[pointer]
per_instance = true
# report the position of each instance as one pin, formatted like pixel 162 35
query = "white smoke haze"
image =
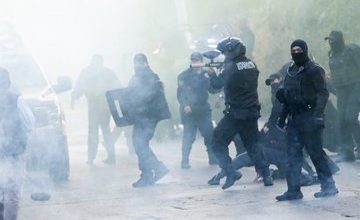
pixel 62 35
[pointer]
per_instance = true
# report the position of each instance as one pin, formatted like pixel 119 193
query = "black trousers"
pixel 225 132
pixel 192 122
pixel 143 132
pixel 303 132
pixel 348 105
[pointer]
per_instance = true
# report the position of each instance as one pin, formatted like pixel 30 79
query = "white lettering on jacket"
pixel 245 65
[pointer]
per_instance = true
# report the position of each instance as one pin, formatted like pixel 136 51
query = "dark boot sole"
pixel 289 198
pixel 236 179
pixel 324 195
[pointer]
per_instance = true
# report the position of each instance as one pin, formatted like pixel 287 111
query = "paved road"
pixel 102 192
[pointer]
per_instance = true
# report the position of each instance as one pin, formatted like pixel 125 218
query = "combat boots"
pixel 290 196
pixel 231 179
pixel 160 172
pixel 185 164
pixel 268 181
pixel 327 191
pixel 216 179
pixel 146 179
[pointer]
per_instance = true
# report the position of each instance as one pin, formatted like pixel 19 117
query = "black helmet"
pixel 232 47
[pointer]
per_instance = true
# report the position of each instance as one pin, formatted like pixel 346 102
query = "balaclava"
pixel 300 58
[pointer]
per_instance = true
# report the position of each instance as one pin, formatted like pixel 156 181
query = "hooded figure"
pixel 344 63
pixel 304 97
pixel 299 52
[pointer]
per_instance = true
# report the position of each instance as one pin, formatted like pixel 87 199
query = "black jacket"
pixel 193 90
pixel 240 81
pixel 147 97
pixel 304 89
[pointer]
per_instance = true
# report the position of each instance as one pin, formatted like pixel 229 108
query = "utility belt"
pixel 228 108
pixel 300 108
pixel 242 113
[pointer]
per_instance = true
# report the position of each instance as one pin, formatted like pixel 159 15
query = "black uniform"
pixel 239 80
pixel 193 91
pixel 344 62
pixel 273 140
pixel 304 98
pixel 150 107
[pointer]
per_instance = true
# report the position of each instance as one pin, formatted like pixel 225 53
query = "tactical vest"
pixel 13 135
pixel 294 93
pixel 344 69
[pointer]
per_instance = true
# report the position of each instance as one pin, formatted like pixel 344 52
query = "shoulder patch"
pixel 245 65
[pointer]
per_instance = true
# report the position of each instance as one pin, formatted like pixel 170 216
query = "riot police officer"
pixel 344 62
pixel 149 107
pixel 274 142
pixel 304 97
pixel 193 93
pixel 239 80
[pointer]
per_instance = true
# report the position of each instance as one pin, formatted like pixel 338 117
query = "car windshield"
pixel 24 71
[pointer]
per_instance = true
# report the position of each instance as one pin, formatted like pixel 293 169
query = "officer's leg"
pixel 294 159
pixel 239 145
pixel 143 132
pixel 93 135
pixel 207 130
pixel 313 143
pixel 141 146
pixel 159 169
pixel 353 114
pixel 351 118
pixel 240 161
pixel 223 135
pixel 294 162
pixel 142 150
pixel 128 136
pixel 345 129
pixel 108 139
pixel 187 141
pixel 248 130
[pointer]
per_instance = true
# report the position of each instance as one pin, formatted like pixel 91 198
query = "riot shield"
pixel 119 106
